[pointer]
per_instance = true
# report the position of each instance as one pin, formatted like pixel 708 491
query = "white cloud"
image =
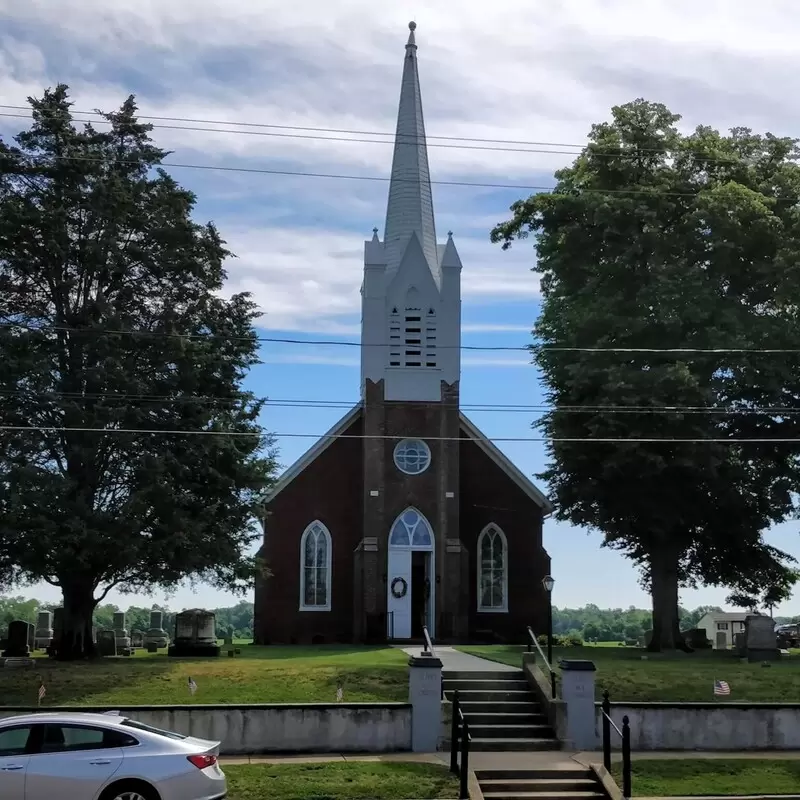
pixel 307 278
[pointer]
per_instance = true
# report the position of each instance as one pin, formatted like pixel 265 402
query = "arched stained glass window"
pixel 315 568
pixel 411 529
pixel 492 570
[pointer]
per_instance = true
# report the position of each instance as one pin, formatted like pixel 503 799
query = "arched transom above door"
pixel 411 529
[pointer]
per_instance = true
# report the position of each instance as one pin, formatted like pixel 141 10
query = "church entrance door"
pixel 410 569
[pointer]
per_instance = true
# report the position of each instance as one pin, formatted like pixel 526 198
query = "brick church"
pixel 404 514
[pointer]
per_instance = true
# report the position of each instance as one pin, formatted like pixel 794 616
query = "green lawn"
pixel 257 675
pixel 698 776
pixel 354 780
pixel 633 674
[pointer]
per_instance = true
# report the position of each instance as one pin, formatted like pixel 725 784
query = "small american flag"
pixel 42 693
pixel 339 694
pixel 721 688
pixel 192 686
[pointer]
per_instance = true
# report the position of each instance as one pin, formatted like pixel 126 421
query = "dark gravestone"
pixel 697 639
pixel 106 643
pixel 152 647
pixel 31 636
pixel 17 646
pixel 195 634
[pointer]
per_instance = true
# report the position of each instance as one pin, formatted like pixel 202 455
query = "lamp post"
pixel 549 582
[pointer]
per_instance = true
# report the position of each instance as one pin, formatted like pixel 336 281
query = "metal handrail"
pixel 625 735
pixel 532 637
pixel 458 723
pixel 428 641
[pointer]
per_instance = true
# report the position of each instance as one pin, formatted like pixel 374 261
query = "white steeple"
pixel 410 207
pixel 411 295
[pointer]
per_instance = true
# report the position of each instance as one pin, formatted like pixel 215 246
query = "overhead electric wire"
pixel 650 192
pixel 346 343
pixel 575 149
pixel 74 397
pixel 387 437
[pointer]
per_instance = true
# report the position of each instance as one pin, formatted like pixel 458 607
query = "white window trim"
pixel 496 609
pixel 417 442
pixel 328 561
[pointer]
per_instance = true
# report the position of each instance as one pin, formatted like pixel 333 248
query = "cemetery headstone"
pixel 44 629
pixel 123 640
pixel 152 647
pixel 17 646
pixel 761 639
pixel 156 633
pixel 106 642
pixel 58 626
pixel 228 641
pixel 697 639
pixel 31 636
pixel 195 634
pixel 137 639
pixel 740 643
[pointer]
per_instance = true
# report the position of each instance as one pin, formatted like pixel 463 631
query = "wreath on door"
pixel 399 588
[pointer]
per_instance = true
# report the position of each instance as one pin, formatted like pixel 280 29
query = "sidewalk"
pixel 455 661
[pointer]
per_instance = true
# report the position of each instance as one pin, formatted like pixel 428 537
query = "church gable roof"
pixel 314 452
pixel 504 462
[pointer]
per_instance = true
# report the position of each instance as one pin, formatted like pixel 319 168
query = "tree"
pixel 132 456
pixel 652 239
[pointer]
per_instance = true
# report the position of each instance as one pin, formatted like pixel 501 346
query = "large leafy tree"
pixel 130 455
pixel 651 240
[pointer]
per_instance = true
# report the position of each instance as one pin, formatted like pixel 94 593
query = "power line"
pixel 387 437
pixel 346 405
pixel 405 138
pixel 650 192
pixel 347 343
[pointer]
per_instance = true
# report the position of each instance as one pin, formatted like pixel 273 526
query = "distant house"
pixel 722 626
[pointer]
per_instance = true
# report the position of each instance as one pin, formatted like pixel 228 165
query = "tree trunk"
pixel 75 637
pixel 664 591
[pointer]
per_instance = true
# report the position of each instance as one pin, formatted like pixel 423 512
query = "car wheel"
pixel 130 790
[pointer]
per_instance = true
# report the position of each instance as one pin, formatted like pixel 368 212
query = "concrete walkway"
pixel 455 661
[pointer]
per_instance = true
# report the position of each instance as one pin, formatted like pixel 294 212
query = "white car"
pixel 104 757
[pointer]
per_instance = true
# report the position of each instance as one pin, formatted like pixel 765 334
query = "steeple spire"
pixel 410 207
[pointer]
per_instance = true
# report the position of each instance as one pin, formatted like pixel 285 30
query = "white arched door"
pixel 411 533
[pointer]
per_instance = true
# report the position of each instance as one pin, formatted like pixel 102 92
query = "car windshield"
pixel 149 729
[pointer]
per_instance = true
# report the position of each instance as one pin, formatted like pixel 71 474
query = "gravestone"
pixel 123 640
pixel 195 634
pixel 17 646
pixel 106 642
pixel 58 627
pixel 31 636
pixel 762 641
pixel 44 629
pixel 697 639
pixel 137 639
pixel 740 643
pixel 156 634
pixel 152 647
pixel 228 641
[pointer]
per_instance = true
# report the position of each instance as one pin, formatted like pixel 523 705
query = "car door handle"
pixel 101 761
pixel 12 767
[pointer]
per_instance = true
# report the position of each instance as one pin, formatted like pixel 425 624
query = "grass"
pixel 698 776
pixel 633 674
pixel 340 781
pixel 258 675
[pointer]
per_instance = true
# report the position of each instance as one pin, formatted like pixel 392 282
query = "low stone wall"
pixel 707 726
pixel 556 710
pixel 301 728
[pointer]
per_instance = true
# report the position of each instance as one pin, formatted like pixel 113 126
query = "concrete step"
pixel 510 731
pixel 516 785
pixel 499 707
pixel 485 685
pixel 547 794
pixel 570 770
pixel 491 696
pixel 511 718
pixel 500 745
pixel 493 675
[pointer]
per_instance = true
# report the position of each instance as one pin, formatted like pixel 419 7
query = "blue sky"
pixel 532 71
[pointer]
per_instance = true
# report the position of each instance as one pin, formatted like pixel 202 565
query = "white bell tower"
pixel 411 294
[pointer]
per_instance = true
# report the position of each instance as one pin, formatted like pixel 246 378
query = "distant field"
pixel 633 674
pixel 257 675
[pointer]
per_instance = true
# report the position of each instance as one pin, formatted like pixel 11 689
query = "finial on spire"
pixel 449 234
pixel 412 26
